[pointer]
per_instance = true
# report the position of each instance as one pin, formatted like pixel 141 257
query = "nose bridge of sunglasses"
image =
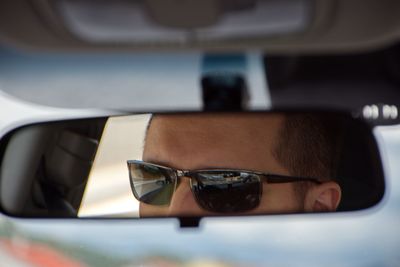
pixel 183 177
pixel 184 174
pixel 181 173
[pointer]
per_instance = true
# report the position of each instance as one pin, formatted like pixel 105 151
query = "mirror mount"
pixel 224 92
pixel 189 222
pixel 224 82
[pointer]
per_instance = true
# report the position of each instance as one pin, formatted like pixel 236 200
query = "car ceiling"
pixel 345 58
pixel 336 26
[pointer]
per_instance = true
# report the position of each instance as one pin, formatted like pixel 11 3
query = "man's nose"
pixel 183 202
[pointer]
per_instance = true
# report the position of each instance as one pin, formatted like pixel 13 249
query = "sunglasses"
pixel 215 190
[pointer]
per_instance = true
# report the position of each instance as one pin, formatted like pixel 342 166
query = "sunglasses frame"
pixel 191 174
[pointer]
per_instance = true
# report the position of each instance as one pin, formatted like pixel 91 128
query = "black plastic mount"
pixel 224 92
pixel 189 222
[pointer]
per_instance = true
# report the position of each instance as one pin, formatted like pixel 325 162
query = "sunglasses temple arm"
pixel 276 179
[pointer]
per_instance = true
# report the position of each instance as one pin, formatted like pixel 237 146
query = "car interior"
pixel 334 59
pixel 323 45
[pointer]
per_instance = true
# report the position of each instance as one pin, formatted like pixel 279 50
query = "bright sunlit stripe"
pixel 108 191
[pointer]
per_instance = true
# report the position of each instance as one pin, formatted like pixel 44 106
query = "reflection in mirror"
pixel 191 165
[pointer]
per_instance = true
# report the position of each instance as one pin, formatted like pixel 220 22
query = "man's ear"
pixel 324 197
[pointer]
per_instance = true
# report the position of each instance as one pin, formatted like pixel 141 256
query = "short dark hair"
pixel 310 145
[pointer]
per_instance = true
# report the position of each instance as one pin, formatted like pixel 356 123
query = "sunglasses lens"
pixel 227 192
pixel 151 184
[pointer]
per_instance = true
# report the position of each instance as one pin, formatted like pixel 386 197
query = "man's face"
pixel 218 142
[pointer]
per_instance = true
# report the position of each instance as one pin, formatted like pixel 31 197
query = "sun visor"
pixel 183 22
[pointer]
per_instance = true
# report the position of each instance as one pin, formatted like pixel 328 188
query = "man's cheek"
pixel 278 198
pixel 146 210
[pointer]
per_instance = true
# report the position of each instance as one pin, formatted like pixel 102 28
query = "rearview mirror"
pixel 192 165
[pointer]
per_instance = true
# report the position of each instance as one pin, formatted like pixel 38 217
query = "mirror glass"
pixel 191 164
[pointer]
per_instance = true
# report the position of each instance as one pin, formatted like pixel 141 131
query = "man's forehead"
pixel 212 141
pixel 217 122
pixel 219 130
